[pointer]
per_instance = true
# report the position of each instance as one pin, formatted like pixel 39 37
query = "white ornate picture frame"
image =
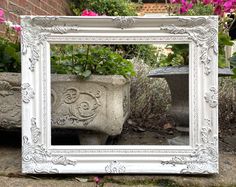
pixel 39 156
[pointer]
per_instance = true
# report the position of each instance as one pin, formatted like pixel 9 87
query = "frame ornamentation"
pixel 39 156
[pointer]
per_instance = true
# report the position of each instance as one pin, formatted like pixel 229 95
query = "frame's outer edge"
pixel 38 156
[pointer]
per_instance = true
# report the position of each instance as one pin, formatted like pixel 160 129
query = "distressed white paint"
pixel 39 156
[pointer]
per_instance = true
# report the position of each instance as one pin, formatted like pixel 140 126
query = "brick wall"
pixel 15 8
pixel 152 8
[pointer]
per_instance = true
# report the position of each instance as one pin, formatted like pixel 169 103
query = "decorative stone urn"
pixel 97 106
pixel 178 81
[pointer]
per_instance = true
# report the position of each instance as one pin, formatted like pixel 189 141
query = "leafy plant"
pixel 116 8
pixel 179 56
pixel 9 56
pixel 223 40
pixel 209 7
pixel 85 60
pixel 200 9
pixel 145 52
pixel 105 7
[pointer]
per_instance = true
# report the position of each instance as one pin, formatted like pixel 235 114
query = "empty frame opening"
pixel 120 94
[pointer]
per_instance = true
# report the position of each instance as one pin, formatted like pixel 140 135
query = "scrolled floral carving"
pixel 71 95
pixel 10 105
pixel 79 107
pixel 61 160
pixel 203 31
pixel 36 30
pixel 123 22
pixel 27 92
pixel 31 38
pixel 5 107
pixel 33 153
pixel 211 97
pixel 36 158
pixel 204 157
pixel 53 25
pixel 5 89
pixel 115 167
pixel 45 170
pixel 35 131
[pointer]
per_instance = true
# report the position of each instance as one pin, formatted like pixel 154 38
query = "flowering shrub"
pixel 219 6
pixel 9 24
pixel 9 46
pixel 105 7
pixel 145 52
pixel 89 13
pixel 211 7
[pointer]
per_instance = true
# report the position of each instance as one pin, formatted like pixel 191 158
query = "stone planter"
pixel 178 81
pixel 97 106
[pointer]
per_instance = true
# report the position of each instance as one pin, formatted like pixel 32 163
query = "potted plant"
pixel 96 104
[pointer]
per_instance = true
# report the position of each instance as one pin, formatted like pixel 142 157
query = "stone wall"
pixel 15 8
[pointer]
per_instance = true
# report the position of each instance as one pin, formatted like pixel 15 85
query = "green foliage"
pixel 85 60
pixel 145 52
pixel 9 56
pixel 223 40
pixel 178 57
pixel 118 8
pixel 201 9
pixel 233 64
pixel 105 7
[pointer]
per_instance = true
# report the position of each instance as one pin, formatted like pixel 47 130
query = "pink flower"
pixel 89 13
pixel 17 28
pixel 218 10
pixel 185 6
pixel 229 5
pixel 97 180
pixel 2 20
pixel 206 2
pixel 174 1
pixel 1 13
pixel 217 2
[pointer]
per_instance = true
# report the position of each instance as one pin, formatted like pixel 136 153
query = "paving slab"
pixel 226 176
pixel 10 159
pixel 25 182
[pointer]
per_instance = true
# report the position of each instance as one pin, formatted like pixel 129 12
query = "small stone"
pixel 130 122
pixel 140 129
pixel 168 126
